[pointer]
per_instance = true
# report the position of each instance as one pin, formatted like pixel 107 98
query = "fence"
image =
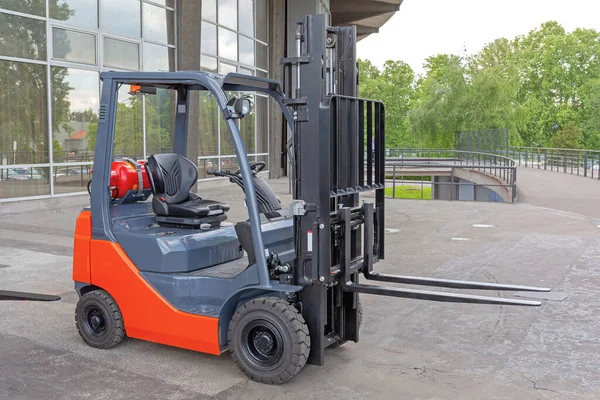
pixel 408 162
pixel 569 161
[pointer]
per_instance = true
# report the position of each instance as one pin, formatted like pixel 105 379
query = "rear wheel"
pixel 99 320
pixel 269 340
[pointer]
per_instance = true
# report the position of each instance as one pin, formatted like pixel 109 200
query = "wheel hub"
pixel 95 321
pixel 264 342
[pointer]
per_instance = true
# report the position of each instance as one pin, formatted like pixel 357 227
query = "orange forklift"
pixel 154 261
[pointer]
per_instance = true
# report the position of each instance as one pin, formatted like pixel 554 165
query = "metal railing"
pixel 569 161
pixel 406 163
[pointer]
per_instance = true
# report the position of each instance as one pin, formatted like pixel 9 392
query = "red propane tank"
pixel 124 177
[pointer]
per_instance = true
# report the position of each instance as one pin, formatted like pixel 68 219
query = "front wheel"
pixel 269 340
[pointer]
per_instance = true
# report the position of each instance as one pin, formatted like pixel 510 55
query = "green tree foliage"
pixel 569 137
pixel 394 85
pixel 540 86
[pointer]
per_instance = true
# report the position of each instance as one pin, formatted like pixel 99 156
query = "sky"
pixel 423 28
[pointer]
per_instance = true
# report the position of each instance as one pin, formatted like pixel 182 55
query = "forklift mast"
pixel 337 136
pixel 338 149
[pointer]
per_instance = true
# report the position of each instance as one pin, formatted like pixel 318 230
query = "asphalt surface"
pixel 409 349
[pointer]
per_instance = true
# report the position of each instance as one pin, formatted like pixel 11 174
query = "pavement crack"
pixel 536 387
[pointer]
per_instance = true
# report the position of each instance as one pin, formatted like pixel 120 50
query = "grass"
pixel 409 192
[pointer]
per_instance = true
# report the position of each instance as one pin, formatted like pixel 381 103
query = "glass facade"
pixel 51 54
pixel 233 40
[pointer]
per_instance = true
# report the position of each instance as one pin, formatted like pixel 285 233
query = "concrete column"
pixel 277 52
pixel 189 17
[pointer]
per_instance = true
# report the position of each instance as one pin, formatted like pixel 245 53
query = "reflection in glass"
pixel 158 58
pixel 264 159
pixel 204 164
pixel 72 178
pixel 228 13
pixel 225 68
pixel 23 113
pixel 73 46
pixel 261 56
pixel 228 44
pixel 159 121
pixel 22 37
pixel 208 64
pixel 34 7
pixel 207 125
pixel 120 54
pixel 262 15
pixel 21 182
pixel 128 129
pixel 247 17
pixel 246 50
pixel 208 38
pixel 247 129
pixel 158 24
pixel 246 71
pixel 209 10
pixel 262 124
pixel 77 12
pixel 121 17
pixel 167 3
pixel 75 100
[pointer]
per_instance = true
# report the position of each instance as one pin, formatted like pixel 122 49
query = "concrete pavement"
pixel 409 349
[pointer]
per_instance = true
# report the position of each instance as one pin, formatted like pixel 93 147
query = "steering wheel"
pixel 254 167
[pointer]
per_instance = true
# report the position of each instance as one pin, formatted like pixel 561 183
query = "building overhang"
pixel 367 15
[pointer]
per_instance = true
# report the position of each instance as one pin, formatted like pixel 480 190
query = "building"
pixel 52 51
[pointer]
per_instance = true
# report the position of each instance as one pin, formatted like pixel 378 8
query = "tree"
pixel 394 85
pixel 569 137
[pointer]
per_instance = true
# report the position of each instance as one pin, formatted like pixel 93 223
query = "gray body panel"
pixel 154 248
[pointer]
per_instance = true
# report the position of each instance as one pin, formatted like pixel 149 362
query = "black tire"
pixel 99 320
pixel 360 318
pixel 269 340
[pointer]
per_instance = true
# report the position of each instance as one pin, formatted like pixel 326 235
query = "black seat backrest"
pixel 171 176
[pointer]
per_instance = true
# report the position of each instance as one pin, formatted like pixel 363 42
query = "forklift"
pixel 280 287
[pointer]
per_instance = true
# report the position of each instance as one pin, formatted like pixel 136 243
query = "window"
pixel 225 68
pixel 208 41
pixel 23 113
pixel 227 44
pixel 247 17
pixel 209 10
pixel 158 24
pixel 82 13
pixel 159 121
pixel 208 64
pixel 73 46
pixel 24 181
pixel 22 37
pixel 34 7
pixel 121 54
pixel 234 39
pixel 121 17
pixel 262 14
pixel 207 125
pixel 228 13
pixel 75 100
pixel 246 50
pixel 158 58
pixel 129 138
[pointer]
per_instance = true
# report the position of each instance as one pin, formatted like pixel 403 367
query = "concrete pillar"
pixel 189 17
pixel 277 127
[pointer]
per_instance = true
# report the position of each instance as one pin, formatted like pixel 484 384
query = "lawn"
pixel 409 192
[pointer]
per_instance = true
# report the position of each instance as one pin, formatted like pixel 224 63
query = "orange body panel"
pixel 81 252
pixel 146 314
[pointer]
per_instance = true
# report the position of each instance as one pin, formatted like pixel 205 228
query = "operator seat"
pixel 171 177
